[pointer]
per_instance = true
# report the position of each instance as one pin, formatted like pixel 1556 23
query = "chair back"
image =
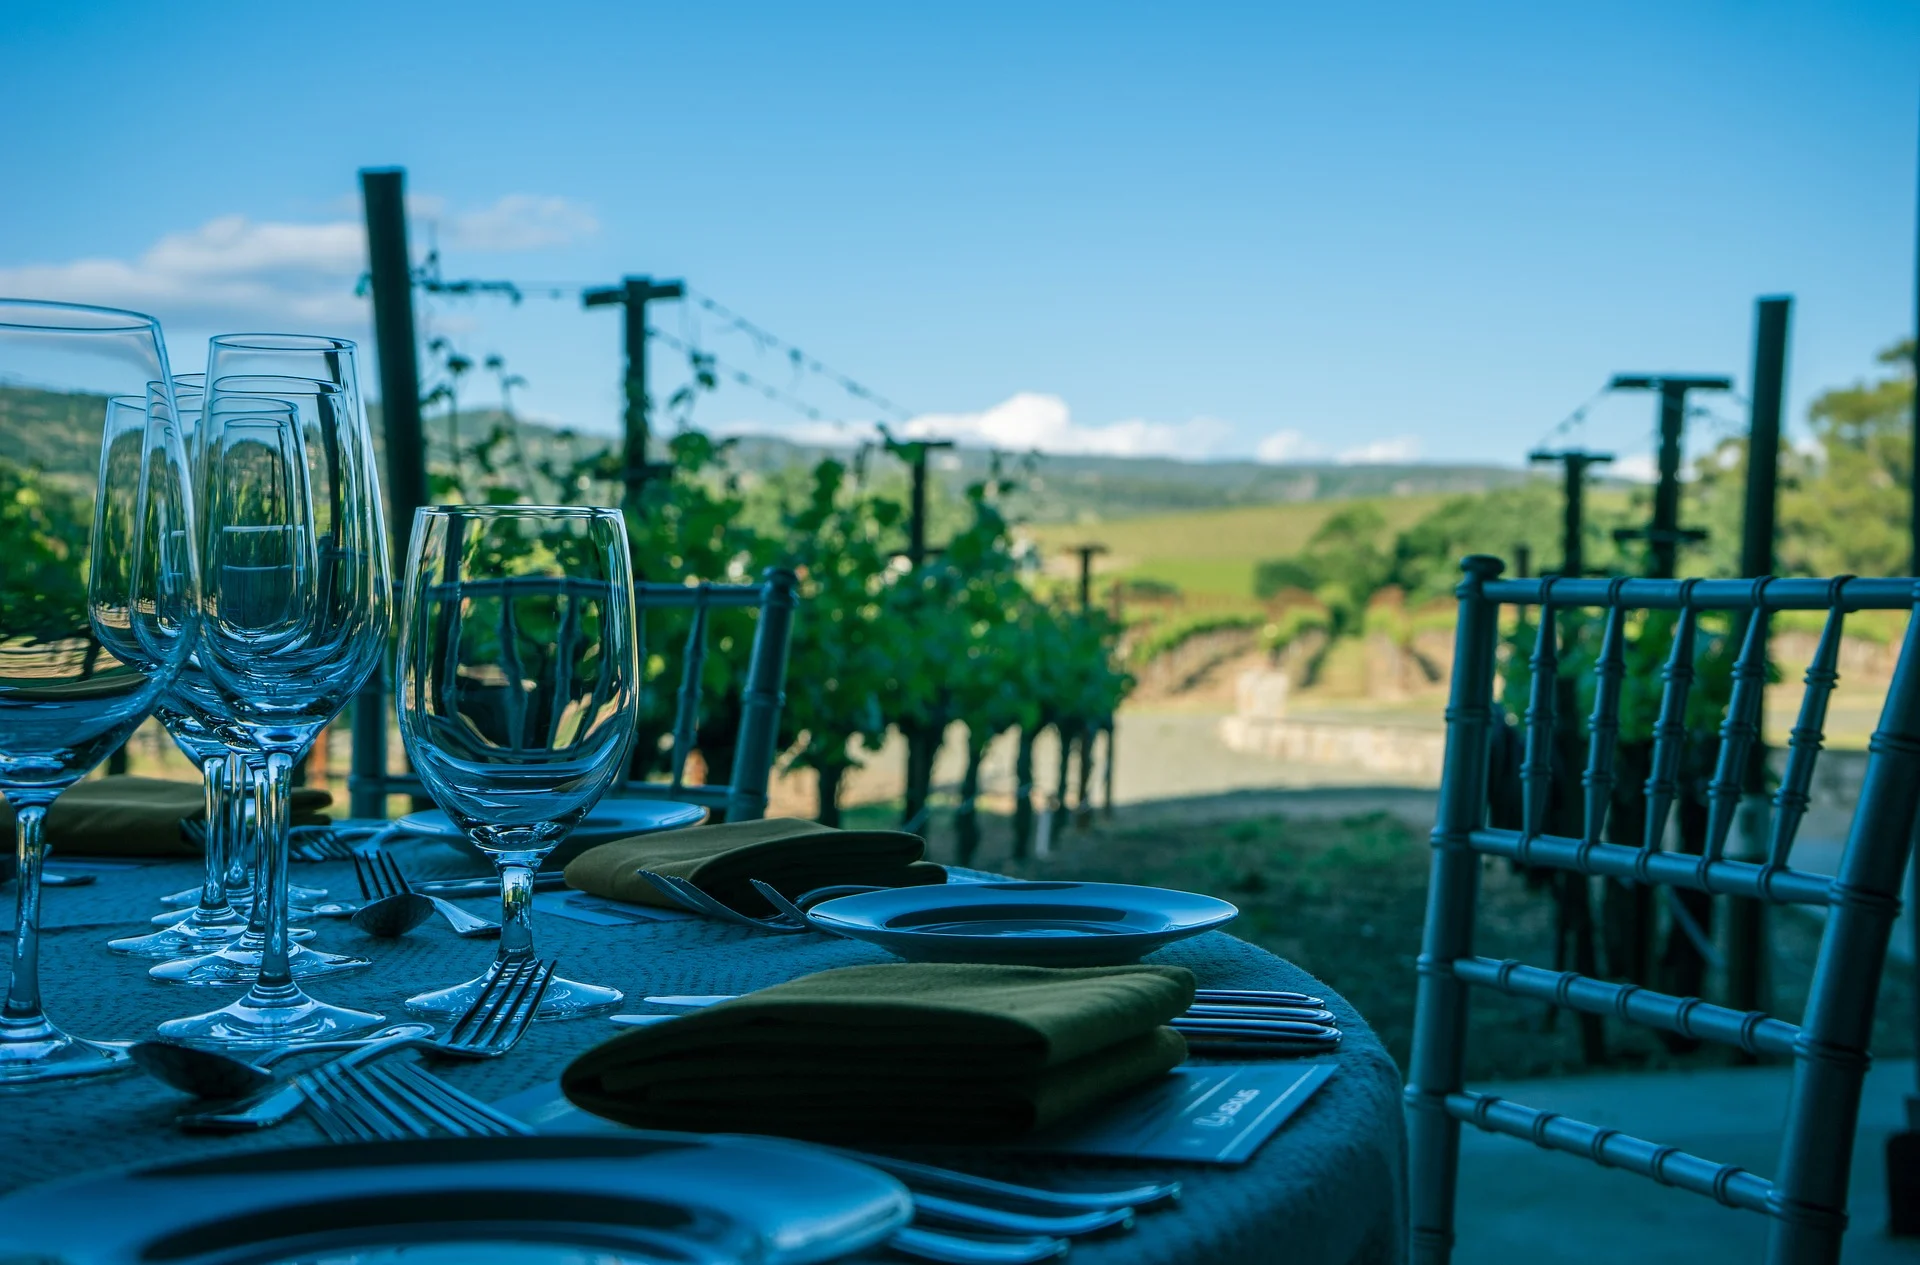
pixel 1806 1199
pixel 744 796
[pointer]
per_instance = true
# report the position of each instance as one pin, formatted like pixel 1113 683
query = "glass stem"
pixel 516 906
pixel 235 823
pixel 213 891
pixel 253 831
pixel 274 816
pixel 30 849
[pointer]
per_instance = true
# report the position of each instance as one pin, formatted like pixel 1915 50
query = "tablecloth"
pixel 1328 1188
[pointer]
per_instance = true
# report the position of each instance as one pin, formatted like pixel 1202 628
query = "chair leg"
pixel 1440 1016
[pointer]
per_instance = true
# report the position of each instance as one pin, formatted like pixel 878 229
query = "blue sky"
pixel 1303 231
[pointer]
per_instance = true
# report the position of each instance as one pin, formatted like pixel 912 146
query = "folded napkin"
pixel 140 816
pixel 793 855
pixel 906 1052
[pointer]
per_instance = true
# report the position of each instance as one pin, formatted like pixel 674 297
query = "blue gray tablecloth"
pixel 1327 1188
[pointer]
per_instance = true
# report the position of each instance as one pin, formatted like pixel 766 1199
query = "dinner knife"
pixel 545 882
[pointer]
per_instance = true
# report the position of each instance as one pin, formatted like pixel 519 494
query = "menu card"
pixel 1211 1113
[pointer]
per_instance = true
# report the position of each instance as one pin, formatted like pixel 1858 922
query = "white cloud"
pixel 1033 421
pixel 1283 446
pixel 236 269
pixel 822 434
pixel 521 221
pixel 1382 452
pixel 1635 467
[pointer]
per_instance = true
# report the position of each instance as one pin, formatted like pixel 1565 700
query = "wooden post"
pixel 923 741
pixel 1574 462
pixel 1747 919
pixel 390 270
pixel 632 296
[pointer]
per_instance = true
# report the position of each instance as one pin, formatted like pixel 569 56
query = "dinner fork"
pixel 495 1022
pixel 384 1101
pixel 304 843
pixel 366 1104
pixel 323 843
pixel 683 893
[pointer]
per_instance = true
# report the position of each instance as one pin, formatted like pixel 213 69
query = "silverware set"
pixel 1238 1021
pixel 957 1217
pixel 495 1022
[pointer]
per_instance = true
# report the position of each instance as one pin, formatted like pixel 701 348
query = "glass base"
pixel 298 893
pixel 564 999
pixel 189 937
pixel 177 916
pixel 268 1017
pixel 35 1051
pixel 238 965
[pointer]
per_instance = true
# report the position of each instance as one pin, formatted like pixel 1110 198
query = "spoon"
pixel 211 1074
pixel 398 917
pixel 391 917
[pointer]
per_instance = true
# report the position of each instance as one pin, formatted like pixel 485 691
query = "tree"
pixel 44 527
pixel 848 646
pixel 1848 513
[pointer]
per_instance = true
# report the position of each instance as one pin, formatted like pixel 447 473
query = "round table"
pixel 1329 1187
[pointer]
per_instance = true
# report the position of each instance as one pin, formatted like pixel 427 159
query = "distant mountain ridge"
pixel 1073 488
pixel 47 434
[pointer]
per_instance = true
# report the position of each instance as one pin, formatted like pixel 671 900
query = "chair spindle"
pixel 686 713
pixel 1536 768
pixel 1809 731
pixel 1604 727
pixel 1670 730
pixel 1741 730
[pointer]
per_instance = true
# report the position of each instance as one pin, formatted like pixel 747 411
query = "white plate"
pixel 545 1200
pixel 1024 924
pixel 610 819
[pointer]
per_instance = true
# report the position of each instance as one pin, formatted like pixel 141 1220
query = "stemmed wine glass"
pixel 297 615
pixel 87 644
pixel 519 694
pixel 191 713
pixel 202 722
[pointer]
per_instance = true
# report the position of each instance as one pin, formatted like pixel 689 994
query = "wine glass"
pixel 88 641
pixel 518 696
pixel 297 616
pixel 202 723
pixel 191 713
pixel 191 718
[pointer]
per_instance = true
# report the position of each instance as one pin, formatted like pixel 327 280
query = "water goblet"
pixel 518 697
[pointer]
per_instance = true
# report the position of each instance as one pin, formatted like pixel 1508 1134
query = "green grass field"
pixel 1214 552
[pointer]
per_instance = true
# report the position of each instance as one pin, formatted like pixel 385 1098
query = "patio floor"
pixel 1555 1208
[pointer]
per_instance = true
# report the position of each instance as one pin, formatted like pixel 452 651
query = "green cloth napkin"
pixel 905 1052
pixel 129 816
pixel 793 855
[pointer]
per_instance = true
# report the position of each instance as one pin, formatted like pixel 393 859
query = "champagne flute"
pixel 87 644
pixel 298 612
pixel 518 697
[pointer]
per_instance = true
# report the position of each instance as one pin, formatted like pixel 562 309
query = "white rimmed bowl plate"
pixel 1024 924
pixel 610 819
pixel 552 1200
